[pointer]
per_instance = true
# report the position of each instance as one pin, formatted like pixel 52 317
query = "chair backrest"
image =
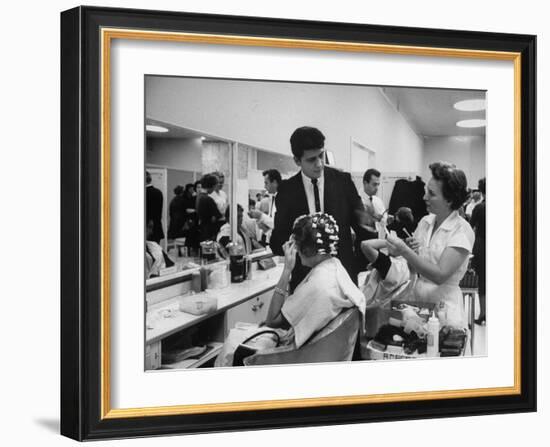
pixel 334 343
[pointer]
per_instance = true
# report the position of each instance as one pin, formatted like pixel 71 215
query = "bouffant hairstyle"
pixel 453 181
pixel 209 181
pixel 316 234
pixel 481 186
pixel 304 139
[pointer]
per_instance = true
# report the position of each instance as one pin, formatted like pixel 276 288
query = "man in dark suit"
pixel 153 209
pixel 316 188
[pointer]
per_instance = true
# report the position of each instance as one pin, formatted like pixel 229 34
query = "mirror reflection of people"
pixel 316 189
pixel 153 208
pixel 182 206
pixel 324 293
pixel 155 257
pixel 218 194
pixel 210 218
pixel 265 215
pixel 478 224
pixel 245 237
pixel 197 187
pixel 441 245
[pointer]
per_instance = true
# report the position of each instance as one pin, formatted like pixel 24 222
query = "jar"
pixel 237 262
pixel 208 251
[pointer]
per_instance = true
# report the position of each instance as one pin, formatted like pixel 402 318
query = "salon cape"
pixel 325 292
pixel 378 290
pixel 321 296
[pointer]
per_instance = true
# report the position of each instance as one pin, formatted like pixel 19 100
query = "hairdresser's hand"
pixel 289 248
pixel 413 244
pixel 254 214
pixel 396 246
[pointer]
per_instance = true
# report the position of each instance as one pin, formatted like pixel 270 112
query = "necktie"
pixel 316 195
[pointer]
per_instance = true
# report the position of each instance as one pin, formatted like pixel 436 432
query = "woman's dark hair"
pixel 481 186
pixel 304 139
pixel 209 181
pixel 453 181
pixel 178 190
pixel 316 234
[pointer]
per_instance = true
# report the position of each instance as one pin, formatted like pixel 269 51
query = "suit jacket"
pixel 341 201
pixel 153 211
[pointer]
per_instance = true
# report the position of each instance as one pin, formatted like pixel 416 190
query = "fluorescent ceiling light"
pixel 152 128
pixel 472 123
pixel 470 105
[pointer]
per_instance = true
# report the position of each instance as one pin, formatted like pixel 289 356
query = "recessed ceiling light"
pixel 153 128
pixel 470 105
pixel 472 123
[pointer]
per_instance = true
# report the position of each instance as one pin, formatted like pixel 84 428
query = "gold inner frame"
pixel 107 35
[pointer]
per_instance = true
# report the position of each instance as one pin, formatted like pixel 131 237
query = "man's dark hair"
pixel 178 190
pixel 147 177
pixel 304 139
pixel 273 175
pixel 209 181
pixel 481 186
pixel 453 181
pixel 370 173
pixel 189 186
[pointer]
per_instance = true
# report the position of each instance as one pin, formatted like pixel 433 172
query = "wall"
pixel 467 153
pixel 264 115
pixel 182 154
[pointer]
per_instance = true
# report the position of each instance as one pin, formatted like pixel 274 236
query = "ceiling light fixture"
pixel 153 128
pixel 472 123
pixel 471 105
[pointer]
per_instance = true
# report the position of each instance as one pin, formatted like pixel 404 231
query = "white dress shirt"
pixel 308 186
pixel 379 208
pixel 266 220
pixel 220 197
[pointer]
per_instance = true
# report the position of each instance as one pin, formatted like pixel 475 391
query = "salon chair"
pixel 334 343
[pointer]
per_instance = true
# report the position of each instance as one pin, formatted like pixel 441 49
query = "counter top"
pixel 165 318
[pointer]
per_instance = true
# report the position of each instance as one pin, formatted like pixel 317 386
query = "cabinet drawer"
pixel 252 311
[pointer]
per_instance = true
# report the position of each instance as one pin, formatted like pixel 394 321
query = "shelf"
pixel 196 363
pixel 216 348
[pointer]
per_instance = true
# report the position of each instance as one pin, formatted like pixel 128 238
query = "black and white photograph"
pixel 298 222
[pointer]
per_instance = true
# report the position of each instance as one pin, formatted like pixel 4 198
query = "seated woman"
pixel 388 270
pixel 326 291
pixel 441 244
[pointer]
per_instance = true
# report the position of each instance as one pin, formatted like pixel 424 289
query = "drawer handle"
pixel 256 307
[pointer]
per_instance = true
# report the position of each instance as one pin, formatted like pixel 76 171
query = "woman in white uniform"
pixel 441 245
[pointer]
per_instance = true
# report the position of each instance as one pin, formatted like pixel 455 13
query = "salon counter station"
pixel 247 302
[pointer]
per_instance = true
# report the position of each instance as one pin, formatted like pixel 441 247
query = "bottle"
pixel 433 336
pixel 237 264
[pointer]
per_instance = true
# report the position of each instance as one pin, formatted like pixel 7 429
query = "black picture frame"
pixel 82 210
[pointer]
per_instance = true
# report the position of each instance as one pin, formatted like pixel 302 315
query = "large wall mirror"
pixel 188 195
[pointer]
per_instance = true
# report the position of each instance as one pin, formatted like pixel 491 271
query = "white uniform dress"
pixel 453 232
